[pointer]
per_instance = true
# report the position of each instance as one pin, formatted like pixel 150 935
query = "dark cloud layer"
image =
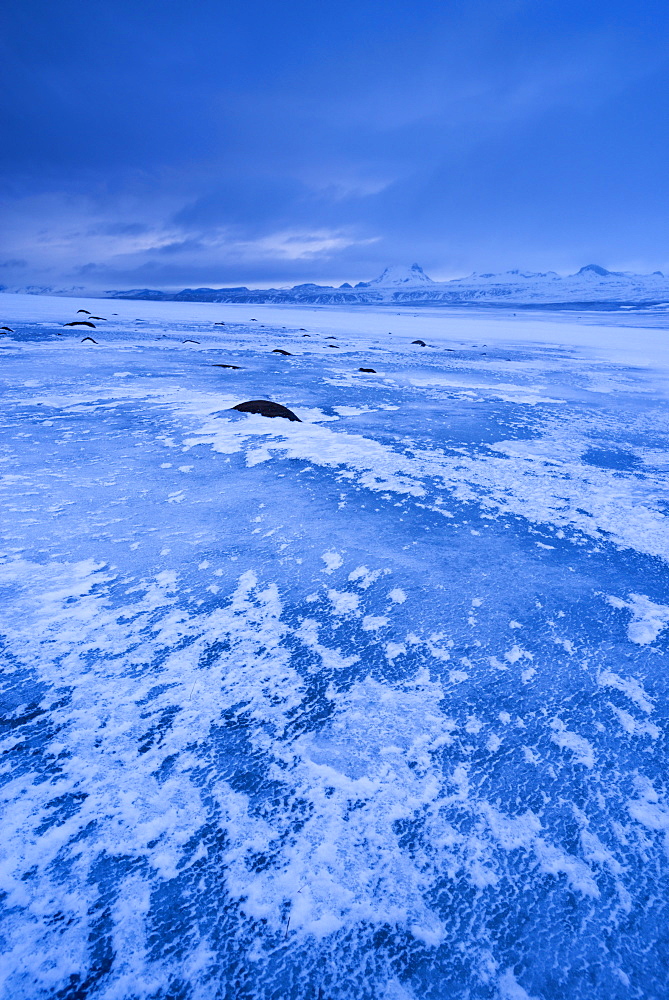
pixel 211 143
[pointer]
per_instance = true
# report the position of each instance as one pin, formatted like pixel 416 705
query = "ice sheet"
pixel 369 706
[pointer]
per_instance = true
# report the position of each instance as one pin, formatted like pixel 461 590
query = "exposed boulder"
pixel 266 409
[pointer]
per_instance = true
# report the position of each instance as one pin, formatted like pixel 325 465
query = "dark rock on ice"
pixel 88 340
pixel 277 350
pixel 226 366
pixel 421 343
pixel 266 409
pixel 6 329
pixel 81 322
pixel 372 370
pixel 190 341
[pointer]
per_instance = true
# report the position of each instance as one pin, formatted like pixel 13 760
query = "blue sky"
pixel 166 144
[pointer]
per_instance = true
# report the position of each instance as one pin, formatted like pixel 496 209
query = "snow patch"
pixel 648 619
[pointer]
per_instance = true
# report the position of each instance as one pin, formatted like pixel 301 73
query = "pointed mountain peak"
pixel 399 275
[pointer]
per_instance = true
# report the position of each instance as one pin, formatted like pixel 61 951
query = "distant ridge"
pixel 592 285
pixel 596 269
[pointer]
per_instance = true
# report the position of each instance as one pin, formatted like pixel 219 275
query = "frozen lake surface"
pixel 367 707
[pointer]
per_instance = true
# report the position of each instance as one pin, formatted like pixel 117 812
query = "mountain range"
pixel 592 286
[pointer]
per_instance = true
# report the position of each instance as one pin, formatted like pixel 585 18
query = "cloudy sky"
pixel 165 143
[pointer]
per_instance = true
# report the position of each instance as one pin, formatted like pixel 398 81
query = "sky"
pixel 166 144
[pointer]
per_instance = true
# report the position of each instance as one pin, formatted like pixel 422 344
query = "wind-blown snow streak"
pixel 525 481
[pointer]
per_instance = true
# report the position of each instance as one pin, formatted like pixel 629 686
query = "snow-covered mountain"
pixel 397 276
pixel 592 286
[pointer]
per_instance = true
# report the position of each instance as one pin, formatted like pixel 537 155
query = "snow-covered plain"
pixel 367 707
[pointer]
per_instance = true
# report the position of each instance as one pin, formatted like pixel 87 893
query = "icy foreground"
pixel 367 707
